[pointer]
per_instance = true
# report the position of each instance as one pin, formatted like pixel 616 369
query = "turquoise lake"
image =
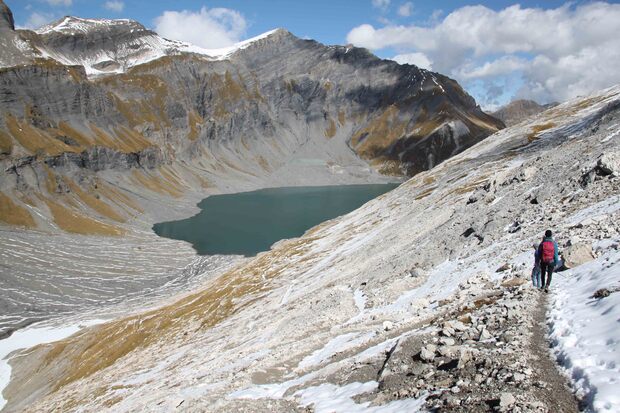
pixel 250 222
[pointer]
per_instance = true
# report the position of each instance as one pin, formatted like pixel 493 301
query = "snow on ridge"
pixel 151 46
pixel 228 51
pixel 71 24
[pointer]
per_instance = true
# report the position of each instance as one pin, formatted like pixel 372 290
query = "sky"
pixel 498 50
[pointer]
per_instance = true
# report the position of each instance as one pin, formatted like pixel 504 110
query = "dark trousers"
pixel 546 268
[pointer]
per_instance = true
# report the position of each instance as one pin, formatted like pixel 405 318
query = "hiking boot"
pixel 546 289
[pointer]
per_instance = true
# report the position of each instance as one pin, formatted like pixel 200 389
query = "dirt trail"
pixel 555 391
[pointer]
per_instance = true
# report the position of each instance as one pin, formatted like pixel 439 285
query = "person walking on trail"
pixel 548 258
pixel 536 270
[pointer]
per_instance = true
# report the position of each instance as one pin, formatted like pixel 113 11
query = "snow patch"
pixel 337 345
pixel 584 331
pixel 328 398
pixel 271 391
pixel 597 211
pixel 28 338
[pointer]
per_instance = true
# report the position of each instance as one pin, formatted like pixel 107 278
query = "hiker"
pixel 547 258
pixel 536 270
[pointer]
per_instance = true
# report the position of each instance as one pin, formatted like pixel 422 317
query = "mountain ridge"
pixel 178 120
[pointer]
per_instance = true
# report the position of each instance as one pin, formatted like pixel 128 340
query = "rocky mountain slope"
pixel 418 299
pixel 110 110
pixel 519 110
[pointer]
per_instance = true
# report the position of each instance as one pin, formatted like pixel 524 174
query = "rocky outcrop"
pixel 95 159
pixel 6 17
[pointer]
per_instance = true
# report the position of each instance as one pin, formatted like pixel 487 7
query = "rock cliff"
pixel 6 17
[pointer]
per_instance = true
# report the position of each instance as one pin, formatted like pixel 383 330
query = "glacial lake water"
pixel 250 222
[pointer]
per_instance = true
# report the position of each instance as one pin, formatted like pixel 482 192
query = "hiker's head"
pixel 548 233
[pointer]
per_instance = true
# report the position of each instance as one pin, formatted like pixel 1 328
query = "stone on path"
pixel 577 254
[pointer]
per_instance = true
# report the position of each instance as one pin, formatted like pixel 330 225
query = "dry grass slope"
pixel 35 140
pixel 536 129
pixel 100 347
pixel 94 203
pixel 71 221
pixel 330 132
pixel 14 214
pixel 6 144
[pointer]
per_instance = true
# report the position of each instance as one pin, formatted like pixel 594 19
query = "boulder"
pixel 458 326
pixel 447 331
pixel 609 164
pixel 447 341
pixel 484 335
pixel 426 354
pixel 503 268
pixel 464 358
pixel 506 400
pixel 601 293
pixel 577 254
pixel 448 351
pixel 388 325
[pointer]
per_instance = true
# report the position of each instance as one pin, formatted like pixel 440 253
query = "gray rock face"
pixel 103 46
pixel 402 118
pixel 6 17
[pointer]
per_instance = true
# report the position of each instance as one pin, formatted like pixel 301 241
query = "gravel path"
pixel 555 390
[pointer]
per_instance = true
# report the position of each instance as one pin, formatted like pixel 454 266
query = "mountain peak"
pixel 6 17
pixel 72 25
pixel 226 52
pixel 519 110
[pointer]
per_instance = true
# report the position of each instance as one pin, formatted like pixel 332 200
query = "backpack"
pixel 548 252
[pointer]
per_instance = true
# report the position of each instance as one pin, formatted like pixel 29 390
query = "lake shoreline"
pixel 250 222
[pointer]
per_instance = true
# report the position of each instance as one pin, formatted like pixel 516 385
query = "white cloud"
pixel 209 28
pixel 406 9
pixel 36 20
pixel 381 4
pixel 419 59
pixel 498 67
pixel 59 2
pixel 435 15
pixel 560 53
pixel 114 5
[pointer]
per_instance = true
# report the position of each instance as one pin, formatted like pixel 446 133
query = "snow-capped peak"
pixel 128 44
pixel 225 52
pixel 71 24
